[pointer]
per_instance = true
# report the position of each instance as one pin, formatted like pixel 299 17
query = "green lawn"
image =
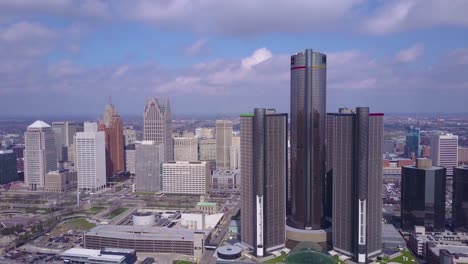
pixel 279 259
pixel 338 261
pixel 96 209
pixel 73 224
pixel 404 258
pixel 116 212
pixel 183 262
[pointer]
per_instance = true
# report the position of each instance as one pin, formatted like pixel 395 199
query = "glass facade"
pixel 308 114
pixel 423 198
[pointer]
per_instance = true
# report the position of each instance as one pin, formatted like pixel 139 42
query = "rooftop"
pixel 142 232
pixel 38 124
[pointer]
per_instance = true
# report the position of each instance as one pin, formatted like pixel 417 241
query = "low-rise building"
pixel 427 245
pixel 147 239
pixel 60 181
pixel 105 256
pixel 207 207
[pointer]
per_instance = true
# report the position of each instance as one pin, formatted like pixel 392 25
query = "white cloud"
pixel 25 31
pixel 257 57
pixel 406 15
pixel 196 48
pixel 410 54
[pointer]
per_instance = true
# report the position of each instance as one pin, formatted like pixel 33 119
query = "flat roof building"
pixel 147 239
pixel 186 177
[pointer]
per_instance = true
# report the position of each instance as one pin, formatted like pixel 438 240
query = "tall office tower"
pixel 39 153
pixel 113 130
pixel 8 172
pixel 186 177
pixel 185 149
pixel 354 161
pixel 207 151
pixel 130 158
pixel 423 196
pixel 90 158
pixel 149 156
pixel 308 114
pixel 413 139
pixel 157 125
pixel 460 198
pixel 223 143
pixel 59 145
pixel 67 131
pixel 18 149
pixel 264 137
pixel 129 134
pixel 234 153
pixel 204 132
pixel 444 151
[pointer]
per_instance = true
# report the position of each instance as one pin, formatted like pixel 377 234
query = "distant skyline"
pixel 64 57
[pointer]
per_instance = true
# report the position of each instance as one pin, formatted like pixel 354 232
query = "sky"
pixel 227 57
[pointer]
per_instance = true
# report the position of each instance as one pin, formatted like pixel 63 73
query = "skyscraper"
pixel 308 116
pixel 185 149
pixel 67 131
pixel 129 135
pixel 234 153
pixel 149 156
pixel 423 196
pixel 90 158
pixel 113 131
pixel 223 143
pixel 8 172
pixel 444 151
pixel 157 125
pixel 460 198
pixel 264 171
pixel 354 158
pixel 413 140
pixel 39 154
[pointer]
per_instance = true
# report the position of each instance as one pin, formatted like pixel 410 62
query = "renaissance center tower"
pixel 308 119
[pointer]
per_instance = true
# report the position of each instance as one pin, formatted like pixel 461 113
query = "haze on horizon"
pixel 64 57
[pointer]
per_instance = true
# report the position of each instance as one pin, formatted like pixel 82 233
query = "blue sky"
pixel 213 56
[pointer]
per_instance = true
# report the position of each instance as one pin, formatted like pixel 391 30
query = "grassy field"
pixel 404 258
pixel 116 212
pixel 96 209
pixel 73 224
pixel 183 262
pixel 279 259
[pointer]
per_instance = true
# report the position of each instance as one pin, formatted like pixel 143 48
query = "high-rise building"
pixel 204 132
pixel 8 172
pixel 90 158
pixel 460 198
pixel 423 196
pixel 149 156
pixel 354 163
pixel 413 140
pixel 65 131
pixel 264 169
pixel 18 149
pixel 207 151
pixel 463 155
pixel 39 153
pixel 207 148
pixel 444 151
pixel 186 177
pixel 130 158
pixel 129 134
pixel 157 125
pixel 308 116
pixel 234 153
pixel 223 143
pixel 185 149
pixel 113 130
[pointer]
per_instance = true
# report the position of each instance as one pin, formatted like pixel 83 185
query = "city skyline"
pixel 58 51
